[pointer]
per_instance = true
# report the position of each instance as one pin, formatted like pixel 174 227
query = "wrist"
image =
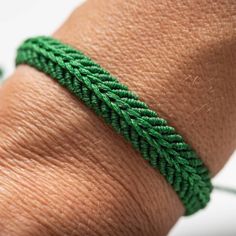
pixel 56 126
pixel 56 154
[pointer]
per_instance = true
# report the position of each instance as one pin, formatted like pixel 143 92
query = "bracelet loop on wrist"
pixel 150 134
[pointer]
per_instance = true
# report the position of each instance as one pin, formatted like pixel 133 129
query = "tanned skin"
pixel 63 171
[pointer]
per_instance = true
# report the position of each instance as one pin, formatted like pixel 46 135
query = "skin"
pixel 64 172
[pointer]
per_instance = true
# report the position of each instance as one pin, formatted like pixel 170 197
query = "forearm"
pixel 63 170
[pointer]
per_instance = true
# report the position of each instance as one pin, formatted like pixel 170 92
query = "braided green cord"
pixel 1 72
pixel 158 142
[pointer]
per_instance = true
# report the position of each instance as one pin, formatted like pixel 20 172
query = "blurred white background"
pixel 25 18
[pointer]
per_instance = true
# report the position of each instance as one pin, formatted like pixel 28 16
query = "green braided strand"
pixel 158 142
pixel 1 72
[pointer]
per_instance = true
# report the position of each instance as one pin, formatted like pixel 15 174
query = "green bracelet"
pixel 158 142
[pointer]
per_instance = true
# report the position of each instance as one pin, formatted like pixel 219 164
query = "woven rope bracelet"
pixel 148 133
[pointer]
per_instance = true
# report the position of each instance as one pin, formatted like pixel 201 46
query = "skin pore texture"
pixel 63 171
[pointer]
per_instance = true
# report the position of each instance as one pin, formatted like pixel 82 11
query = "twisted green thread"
pixel 158 142
pixel 1 72
pixel 225 189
